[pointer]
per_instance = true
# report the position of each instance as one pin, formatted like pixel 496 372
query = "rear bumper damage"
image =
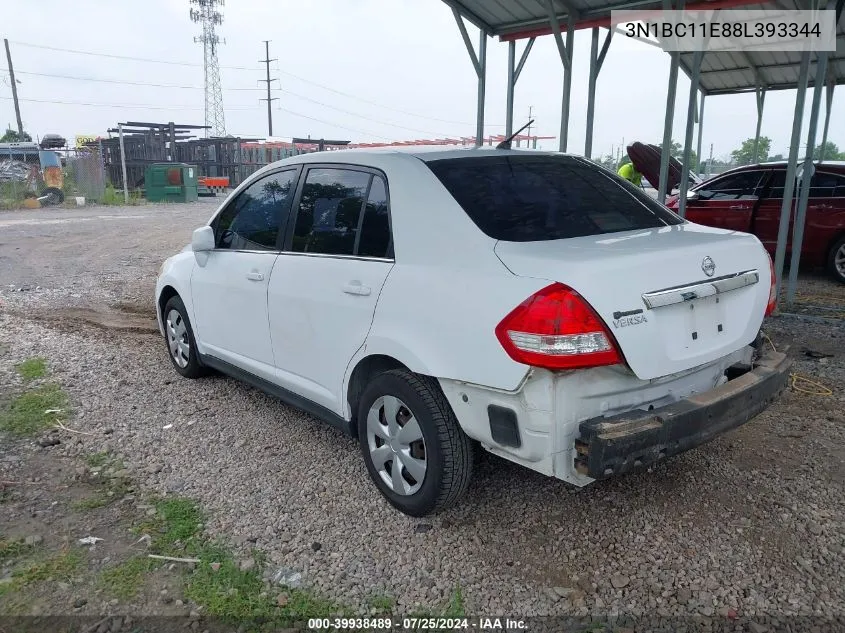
pixel 630 441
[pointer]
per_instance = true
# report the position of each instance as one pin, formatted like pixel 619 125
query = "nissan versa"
pixel 434 302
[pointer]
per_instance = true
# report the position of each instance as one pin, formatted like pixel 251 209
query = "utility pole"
pixel 710 161
pixel 269 99
pixel 14 89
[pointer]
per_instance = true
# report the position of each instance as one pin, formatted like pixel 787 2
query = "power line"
pixel 378 105
pixel 337 125
pixel 289 92
pixel 125 105
pixel 121 81
pixel 153 107
pixel 289 74
pixel 379 121
pixel 124 57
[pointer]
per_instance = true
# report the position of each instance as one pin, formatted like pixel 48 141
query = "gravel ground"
pixel 752 522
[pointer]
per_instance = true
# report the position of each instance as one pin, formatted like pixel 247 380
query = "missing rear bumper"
pixel 637 439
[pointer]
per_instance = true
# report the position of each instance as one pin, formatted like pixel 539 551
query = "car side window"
pixel 825 185
pixel 375 238
pixel 822 185
pixel 776 184
pixel 733 187
pixel 327 220
pixel 254 218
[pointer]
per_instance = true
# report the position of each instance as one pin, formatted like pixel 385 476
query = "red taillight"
pixel 773 297
pixel 556 328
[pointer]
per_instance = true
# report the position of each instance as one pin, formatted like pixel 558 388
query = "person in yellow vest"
pixel 630 173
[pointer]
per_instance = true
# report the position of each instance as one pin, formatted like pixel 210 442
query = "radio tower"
pixel 207 14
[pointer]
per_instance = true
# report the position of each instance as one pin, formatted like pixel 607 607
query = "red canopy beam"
pixel 605 20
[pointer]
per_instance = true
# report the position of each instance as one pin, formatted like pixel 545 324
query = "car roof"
pixel 834 165
pixel 423 152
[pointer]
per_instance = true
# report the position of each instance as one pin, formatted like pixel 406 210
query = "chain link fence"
pixel 85 175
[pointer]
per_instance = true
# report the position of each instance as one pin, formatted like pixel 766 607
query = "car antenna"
pixel 506 144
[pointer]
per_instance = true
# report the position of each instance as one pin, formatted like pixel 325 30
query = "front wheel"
pixel 413 446
pixel 179 336
pixel 836 260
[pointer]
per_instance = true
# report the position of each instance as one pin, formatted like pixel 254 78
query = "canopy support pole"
pixel 693 90
pixel 761 101
pixel 596 61
pixel 700 128
pixel 479 62
pixel 789 185
pixel 828 97
pixel 565 51
pixel 806 178
pixel 514 69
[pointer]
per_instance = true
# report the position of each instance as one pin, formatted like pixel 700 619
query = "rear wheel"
pixel 836 260
pixel 414 449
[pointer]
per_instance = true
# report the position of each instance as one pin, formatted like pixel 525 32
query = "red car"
pixel 749 199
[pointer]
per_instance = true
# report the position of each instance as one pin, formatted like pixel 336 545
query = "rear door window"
pixel 329 211
pixel 541 197
pixel 374 239
pixel 827 185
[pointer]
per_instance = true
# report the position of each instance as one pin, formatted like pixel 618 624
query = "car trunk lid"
pixel 674 297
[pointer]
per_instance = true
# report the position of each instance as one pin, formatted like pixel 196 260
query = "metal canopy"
pixel 519 19
pixel 721 73
pixel 732 73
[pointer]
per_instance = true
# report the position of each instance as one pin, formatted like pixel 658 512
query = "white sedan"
pixel 433 302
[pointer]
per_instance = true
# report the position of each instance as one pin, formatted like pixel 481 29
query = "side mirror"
pixel 203 239
pixel 202 243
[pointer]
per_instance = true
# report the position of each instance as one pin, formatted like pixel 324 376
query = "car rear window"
pixel 536 198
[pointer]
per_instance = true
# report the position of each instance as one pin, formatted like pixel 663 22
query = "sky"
pixel 359 70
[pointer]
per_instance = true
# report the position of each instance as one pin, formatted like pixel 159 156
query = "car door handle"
pixel 739 207
pixel 821 206
pixel 355 288
pixel 255 276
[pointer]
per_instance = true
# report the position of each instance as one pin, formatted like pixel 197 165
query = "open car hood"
pixel 646 159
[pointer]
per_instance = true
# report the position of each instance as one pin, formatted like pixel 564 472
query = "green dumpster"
pixel 170 182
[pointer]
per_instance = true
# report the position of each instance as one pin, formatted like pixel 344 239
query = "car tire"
pixel 437 450
pixel 179 339
pixel 56 196
pixel 836 260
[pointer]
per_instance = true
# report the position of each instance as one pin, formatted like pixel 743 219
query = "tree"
pixel 831 152
pixel 776 157
pixel 677 151
pixel 608 162
pixel 745 154
pixel 12 136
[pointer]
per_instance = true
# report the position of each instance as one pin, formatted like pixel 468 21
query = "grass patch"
pixel 12 549
pixel 32 368
pixel 25 414
pixel 113 196
pixel 125 580
pixel 97 460
pixel 234 595
pixel 383 603
pixel 92 503
pixel 62 566
pixel 456 608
